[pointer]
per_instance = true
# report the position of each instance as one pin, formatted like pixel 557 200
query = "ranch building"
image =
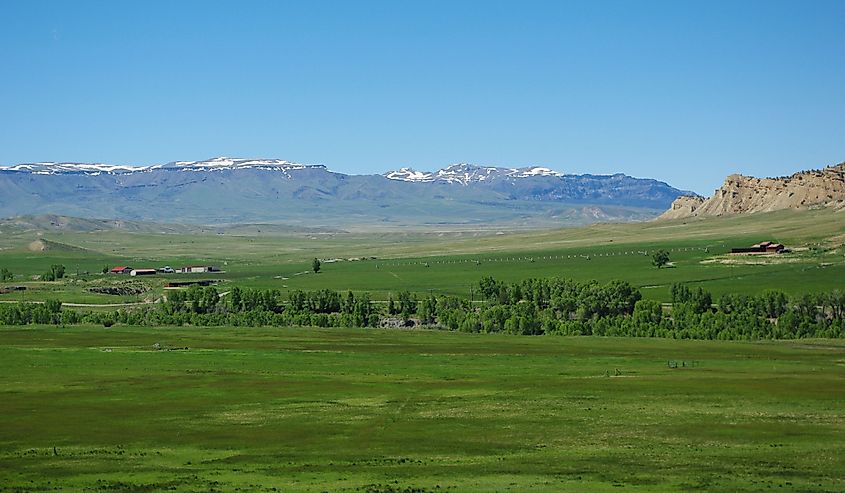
pixel 122 269
pixel 758 248
pixel 185 284
pixel 198 269
pixel 143 272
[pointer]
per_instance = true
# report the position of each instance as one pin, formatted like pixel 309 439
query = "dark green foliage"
pixel 57 271
pixel 660 258
pixel 530 307
pixel 563 306
pixel 349 303
pixel 547 306
pixel 6 274
pixel 427 310
pixel 773 303
pixel 315 265
pixel 407 304
pixel 647 312
pixel 363 313
pixel 489 288
pixel 321 301
pixel 698 299
pixel 49 312
pixel 245 300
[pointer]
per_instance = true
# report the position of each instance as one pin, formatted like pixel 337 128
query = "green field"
pixel 448 262
pixel 86 408
pixel 96 409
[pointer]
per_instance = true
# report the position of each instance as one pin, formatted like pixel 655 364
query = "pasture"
pixel 445 262
pixel 195 409
pixel 129 408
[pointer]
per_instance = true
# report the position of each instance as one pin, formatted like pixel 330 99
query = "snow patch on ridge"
pixel 50 168
pixel 464 174
pixel 235 163
pixel 409 174
pixel 218 163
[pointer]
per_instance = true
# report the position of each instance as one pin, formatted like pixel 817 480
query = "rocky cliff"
pixel 746 194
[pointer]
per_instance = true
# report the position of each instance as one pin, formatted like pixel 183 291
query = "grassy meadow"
pixel 86 408
pixel 226 409
pixel 445 262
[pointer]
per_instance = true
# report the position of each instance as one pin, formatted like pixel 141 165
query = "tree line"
pixel 528 307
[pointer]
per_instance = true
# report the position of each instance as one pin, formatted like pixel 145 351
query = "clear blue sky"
pixel 682 91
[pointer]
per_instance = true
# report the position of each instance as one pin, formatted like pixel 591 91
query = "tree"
pixel 489 288
pixel 349 305
pixel 427 310
pixel 660 258
pixel 407 304
pixel 57 271
pixel 773 303
pixel 53 306
pixel 236 299
pixel 363 314
pixel 647 312
pixel 6 275
pixel 298 300
pixel 315 265
pixel 680 293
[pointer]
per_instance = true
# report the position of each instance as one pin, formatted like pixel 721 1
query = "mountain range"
pixel 231 190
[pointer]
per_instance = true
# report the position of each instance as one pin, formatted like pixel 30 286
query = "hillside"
pixel 745 194
pixel 52 223
pixel 227 190
pixel 58 223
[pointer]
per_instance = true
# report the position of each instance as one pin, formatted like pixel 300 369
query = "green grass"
pixel 452 262
pixel 88 408
pixel 341 410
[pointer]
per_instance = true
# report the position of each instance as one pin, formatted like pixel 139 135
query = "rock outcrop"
pixel 683 206
pixel 745 194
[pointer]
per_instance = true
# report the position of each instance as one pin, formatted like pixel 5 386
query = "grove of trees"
pixel 528 307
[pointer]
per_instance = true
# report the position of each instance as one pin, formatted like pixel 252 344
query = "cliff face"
pixel 683 206
pixel 745 194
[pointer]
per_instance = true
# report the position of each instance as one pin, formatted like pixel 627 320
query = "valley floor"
pixel 447 263
pixel 228 409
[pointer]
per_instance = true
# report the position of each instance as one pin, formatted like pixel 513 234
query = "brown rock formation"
pixel 745 194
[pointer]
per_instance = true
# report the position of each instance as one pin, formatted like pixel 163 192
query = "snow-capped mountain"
pixel 237 190
pixel 218 163
pixel 466 174
pixel 49 168
pixel 221 163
